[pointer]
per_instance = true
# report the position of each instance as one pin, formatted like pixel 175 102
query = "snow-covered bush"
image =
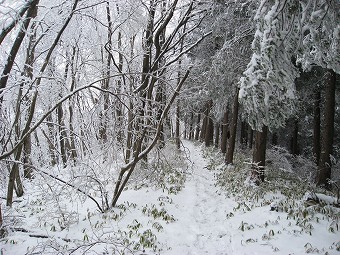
pixel 280 159
pixel 166 169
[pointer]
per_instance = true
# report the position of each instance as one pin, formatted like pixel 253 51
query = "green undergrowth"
pixel 284 192
pixel 165 170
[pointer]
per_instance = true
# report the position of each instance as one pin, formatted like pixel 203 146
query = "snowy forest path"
pixel 200 210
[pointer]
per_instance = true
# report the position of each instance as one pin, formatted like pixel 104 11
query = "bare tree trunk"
pixel 251 138
pixel 129 133
pixel 204 124
pixel 209 132
pixel 50 140
pixel 130 120
pixel 27 158
pixel 73 150
pixel 104 115
pixel 191 126
pixel 324 169
pixel 217 134
pixel 317 126
pixel 197 132
pixel 185 128
pixel 28 72
pixel 177 135
pixel 233 129
pixel 225 131
pixel 259 154
pixel 14 173
pixel 0 221
pixel 244 134
pixel 209 135
pixel 146 89
pixel 63 140
pixel 119 66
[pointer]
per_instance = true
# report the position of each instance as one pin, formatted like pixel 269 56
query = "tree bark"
pixel 28 72
pixel 217 135
pixel 251 138
pixel 225 131
pixel 73 150
pixel 177 135
pixel 244 134
pixel 204 124
pixel 324 169
pixel 130 120
pixel 14 173
pixel 191 126
pixel 259 154
pixel 50 140
pixel 317 126
pixel 62 134
pixel 104 115
pixel 197 131
pixel 233 129
pixel 209 130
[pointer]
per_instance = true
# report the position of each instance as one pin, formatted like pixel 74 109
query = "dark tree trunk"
pixel 324 169
pixel 14 175
pixel 294 140
pixel 103 131
pixel 244 134
pixel 63 140
pixel 28 72
pixel 251 138
pixel 161 101
pixel 118 104
pixel 50 140
pixel 177 136
pixel 28 171
pixel 209 131
pixel 204 125
pixel 217 135
pixel 191 126
pixel 317 126
pixel 130 115
pixel 197 131
pixel 233 128
pixel 259 154
pixel 225 131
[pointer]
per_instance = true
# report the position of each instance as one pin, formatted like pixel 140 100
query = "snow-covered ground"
pixel 195 217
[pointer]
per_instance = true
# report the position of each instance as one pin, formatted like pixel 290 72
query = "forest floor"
pixel 206 209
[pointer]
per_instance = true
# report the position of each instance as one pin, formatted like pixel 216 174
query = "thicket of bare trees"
pixel 90 79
